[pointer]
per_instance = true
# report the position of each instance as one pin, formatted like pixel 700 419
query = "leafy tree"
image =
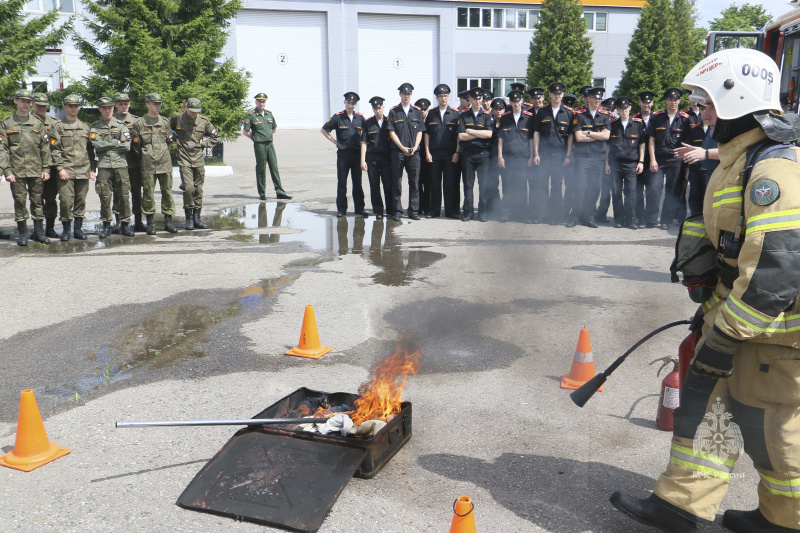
pixel 166 46
pixel 23 41
pixel 746 17
pixel 560 49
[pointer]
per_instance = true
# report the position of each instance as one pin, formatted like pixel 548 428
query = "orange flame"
pixel 383 394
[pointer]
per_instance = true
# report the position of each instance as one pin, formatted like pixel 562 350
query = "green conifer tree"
pixel 171 47
pixel 560 49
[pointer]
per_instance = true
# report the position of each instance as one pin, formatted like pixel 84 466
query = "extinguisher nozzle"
pixel 587 390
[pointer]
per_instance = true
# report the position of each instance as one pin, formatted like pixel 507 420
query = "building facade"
pixel 305 54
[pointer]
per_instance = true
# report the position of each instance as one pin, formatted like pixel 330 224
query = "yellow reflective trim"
pixel 702 455
pixel 695 224
pixel 729 189
pixel 754 315
pixel 783 492
pixel 691 466
pixel 790 483
pixel 727 201
pixel 695 234
pixel 774 214
pixel 777 225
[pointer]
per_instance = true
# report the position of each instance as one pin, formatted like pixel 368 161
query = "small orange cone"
pixel 309 345
pixel 31 449
pixel 463 517
pixel 582 364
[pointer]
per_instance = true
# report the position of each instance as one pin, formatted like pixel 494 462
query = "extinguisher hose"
pixel 587 390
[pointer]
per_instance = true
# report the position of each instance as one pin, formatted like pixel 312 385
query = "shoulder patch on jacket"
pixel 415 107
pixel 339 113
pixel 764 191
pixel 658 113
pixel 637 120
pixel 603 111
pixel 525 112
pixel 566 107
pixel 684 114
pixel 506 113
pixel 696 125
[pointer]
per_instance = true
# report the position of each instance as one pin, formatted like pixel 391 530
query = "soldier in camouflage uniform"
pixel 112 140
pixel 152 137
pixel 122 104
pixel 194 132
pixel 76 168
pixel 50 186
pixel 25 162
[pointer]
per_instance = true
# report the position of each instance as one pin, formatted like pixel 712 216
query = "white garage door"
pixel 286 54
pixel 395 49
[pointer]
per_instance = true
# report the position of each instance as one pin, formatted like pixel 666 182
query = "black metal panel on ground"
pixel 271 479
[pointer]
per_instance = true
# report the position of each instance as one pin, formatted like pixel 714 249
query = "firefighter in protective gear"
pixel 744 385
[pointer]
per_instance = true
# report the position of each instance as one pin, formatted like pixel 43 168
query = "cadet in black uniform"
pixel 697 172
pixel 591 129
pixel 667 130
pixel 474 138
pixel 463 101
pixel 695 117
pixel 526 106
pixel 424 167
pixel 441 138
pixel 624 160
pixel 646 186
pixel 569 100
pixel 406 127
pixel 494 176
pixel 513 152
pixel 607 186
pixel 486 100
pixel 537 99
pixel 551 151
pixel 349 125
pixel 375 157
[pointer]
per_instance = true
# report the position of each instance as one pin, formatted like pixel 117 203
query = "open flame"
pixel 382 396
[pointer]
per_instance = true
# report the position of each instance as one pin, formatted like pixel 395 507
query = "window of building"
pixel 598 82
pixel 64 6
pixel 500 87
pixel 596 21
pixel 509 19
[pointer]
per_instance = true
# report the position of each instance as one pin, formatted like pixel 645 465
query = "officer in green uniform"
pixel 194 132
pixel 49 187
pixel 151 137
pixel 122 103
pixel 112 140
pixel 25 162
pixel 259 127
pixel 76 168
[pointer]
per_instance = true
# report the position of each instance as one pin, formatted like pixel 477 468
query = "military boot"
pixel 199 224
pixel 115 227
pixel 65 233
pixel 751 522
pixel 50 228
pixel 650 512
pixel 106 231
pixel 38 232
pixel 168 225
pixel 189 224
pixel 22 228
pixel 78 229
pixel 126 229
pixel 138 226
pixel 151 225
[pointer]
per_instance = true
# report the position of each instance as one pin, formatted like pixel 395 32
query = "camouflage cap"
pixel 122 97
pixel 72 99
pixel 40 99
pixel 24 94
pixel 194 105
pixel 104 101
pixel 153 97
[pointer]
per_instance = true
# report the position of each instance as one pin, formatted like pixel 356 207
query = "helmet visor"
pixel 700 96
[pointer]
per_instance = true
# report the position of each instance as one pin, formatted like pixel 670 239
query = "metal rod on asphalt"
pixel 242 422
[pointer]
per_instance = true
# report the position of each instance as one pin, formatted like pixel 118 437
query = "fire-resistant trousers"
pixel 757 406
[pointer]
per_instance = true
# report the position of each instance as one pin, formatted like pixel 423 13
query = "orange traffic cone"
pixel 582 364
pixel 463 517
pixel 309 345
pixel 31 449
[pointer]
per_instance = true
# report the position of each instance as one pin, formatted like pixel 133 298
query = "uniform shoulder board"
pixel 696 125
pixel 528 113
pixel 338 112
pixel 506 113
pixel 637 119
pixel 603 111
pixel 394 107
pixel 579 110
pixel 659 112
pixel 357 113
pixel 684 114
pixel 567 107
pixel 252 111
pixel 267 111
pixel 615 119
pixel 415 107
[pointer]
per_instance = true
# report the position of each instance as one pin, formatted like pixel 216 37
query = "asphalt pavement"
pixel 195 326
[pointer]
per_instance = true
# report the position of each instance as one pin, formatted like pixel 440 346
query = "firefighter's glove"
pixel 714 355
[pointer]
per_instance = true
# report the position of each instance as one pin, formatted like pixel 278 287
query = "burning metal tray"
pixel 289 478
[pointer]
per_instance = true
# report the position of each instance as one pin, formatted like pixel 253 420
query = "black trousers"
pixel 474 165
pixel 554 171
pixel 348 161
pixel 697 189
pixel 444 183
pixel 424 185
pixel 379 173
pixel 588 175
pixel 668 174
pixel 623 175
pixel 515 187
pixel 410 163
pixel 606 188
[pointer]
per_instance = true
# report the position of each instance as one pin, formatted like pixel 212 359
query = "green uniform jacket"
pixel 260 125
pixel 51 129
pixel 193 135
pixel 111 142
pixel 24 147
pixel 77 153
pixel 132 156
pixel 151 138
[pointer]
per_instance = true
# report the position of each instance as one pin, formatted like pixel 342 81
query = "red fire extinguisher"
pixel 669 399
pixel 686 354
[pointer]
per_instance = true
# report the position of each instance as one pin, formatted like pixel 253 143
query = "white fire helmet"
pixel 737 81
